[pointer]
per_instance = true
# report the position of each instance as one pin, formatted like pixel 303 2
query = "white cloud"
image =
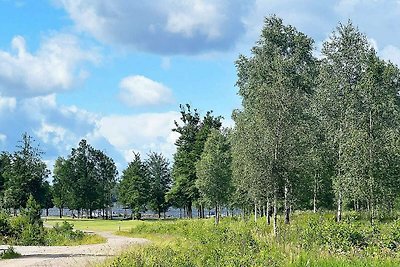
pixel 191 16
pixel 3 138
pixel 51 133
pixel 7 104
pixel 55 66
pixel 391 53
pixel 165 27
pixel 140 133
pixel 139 90
pixel 56 127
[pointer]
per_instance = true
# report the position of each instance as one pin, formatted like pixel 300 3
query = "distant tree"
pixel 47 197
pixel 159 176
pixel 5 161
pixel 62 181
pixel 26 175
pixel 85 180
pixel 214 171
pixel 134 187
pixel 193 134
pixel 106 172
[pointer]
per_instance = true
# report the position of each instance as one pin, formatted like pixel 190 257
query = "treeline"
pixel 313 133
pixel 316 133
pixel 85 182
pixel 23 174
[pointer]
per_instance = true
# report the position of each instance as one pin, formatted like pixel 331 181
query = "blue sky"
pixel 115 72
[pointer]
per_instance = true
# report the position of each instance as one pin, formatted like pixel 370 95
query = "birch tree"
pixel 214 171
pixel 275 83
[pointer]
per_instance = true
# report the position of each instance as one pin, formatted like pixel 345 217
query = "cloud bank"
pixel 162 27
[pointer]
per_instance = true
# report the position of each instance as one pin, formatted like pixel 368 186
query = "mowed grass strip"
pixel 98 224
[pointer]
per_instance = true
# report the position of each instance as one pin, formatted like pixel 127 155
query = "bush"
pixel 64 234
pixel 5 228
pixel 9 253
pixel 26 233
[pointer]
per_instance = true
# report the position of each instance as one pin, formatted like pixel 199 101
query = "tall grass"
pixel 310 240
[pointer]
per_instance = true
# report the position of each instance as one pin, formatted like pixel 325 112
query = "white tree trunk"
pixel 275 216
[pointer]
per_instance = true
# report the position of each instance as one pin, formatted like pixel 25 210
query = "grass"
pixel 63 234
pixel 9 253
pixel 95 224
pixel 310 240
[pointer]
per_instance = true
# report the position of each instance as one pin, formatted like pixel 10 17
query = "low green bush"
pixel 9 253
pixel 64 234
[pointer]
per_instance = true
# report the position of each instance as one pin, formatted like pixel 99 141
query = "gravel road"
pixel 77 256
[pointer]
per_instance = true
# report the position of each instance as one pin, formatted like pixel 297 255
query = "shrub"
pixel 9 253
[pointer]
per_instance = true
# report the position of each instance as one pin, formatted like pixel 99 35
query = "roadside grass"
pixel 310 240
pixel 9 253
pixel 95 224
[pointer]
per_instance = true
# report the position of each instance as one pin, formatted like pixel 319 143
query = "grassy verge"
pixel 9 253
pixel 64 235
pixel 95 224
pixel 310 240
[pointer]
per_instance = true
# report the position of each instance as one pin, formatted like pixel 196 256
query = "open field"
pixel 310 240
pixel 96 224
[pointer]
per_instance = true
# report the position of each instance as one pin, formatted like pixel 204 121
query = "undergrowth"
pixel 9 253
pixel 310 240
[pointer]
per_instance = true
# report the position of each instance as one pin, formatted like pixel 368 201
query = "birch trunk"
pixel 255 211
pixel 275 216
pixel 287 207
pixel 315 193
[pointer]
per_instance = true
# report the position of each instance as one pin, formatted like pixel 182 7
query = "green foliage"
pixel 64 235
pixel 272 134
pixel 159 175
pixel 9 253
pixel 133 190
pixel 214 170
pixel 22 230
pixel 25 175
pixel 72 176
pixel 356 102
pixel 190 145
pixel 310 240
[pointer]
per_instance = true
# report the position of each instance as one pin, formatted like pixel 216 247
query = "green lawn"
pixel 97 224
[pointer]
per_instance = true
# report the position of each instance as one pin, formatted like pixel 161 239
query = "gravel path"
pixel 84 255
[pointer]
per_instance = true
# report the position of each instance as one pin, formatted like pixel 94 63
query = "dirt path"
pixel 85 255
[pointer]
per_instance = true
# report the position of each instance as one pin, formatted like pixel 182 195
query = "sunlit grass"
pixel 245 243
pixel 95 224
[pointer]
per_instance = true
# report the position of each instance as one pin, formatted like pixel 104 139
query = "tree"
pixel 84 180
pixel 134 187
pixel 275 84
pixel 356 93
pixel 5 161
pixel 62 181
pixel 190 144
pixel 214 171
pixel 105 173
pixel 25 175
pixel 159 176
pixel 47 197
